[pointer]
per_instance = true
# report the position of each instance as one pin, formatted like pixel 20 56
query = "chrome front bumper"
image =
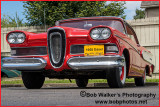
pixel 23 63
pixel 100 62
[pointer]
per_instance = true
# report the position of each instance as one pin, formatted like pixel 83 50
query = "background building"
pixel 151 8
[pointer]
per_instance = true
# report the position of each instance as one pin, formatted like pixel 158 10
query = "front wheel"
pixel 141 80
pixel 116 77
pixel 33 80
pixel 82 83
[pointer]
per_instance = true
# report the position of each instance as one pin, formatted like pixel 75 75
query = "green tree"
pixel 115 9
pixel 8 21
pixel 58 10
pixel 4 21
pixel 139 14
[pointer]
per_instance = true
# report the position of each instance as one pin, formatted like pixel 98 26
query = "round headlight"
pixel 12 38
pixel 16 38
pixel 95 34
pixel 106 33
pixel 20 38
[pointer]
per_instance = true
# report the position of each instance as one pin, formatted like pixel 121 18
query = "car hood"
pixel 73 32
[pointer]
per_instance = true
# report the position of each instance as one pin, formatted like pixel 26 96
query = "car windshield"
pixel 87 24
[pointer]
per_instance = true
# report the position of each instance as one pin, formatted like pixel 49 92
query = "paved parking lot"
pixel 73 96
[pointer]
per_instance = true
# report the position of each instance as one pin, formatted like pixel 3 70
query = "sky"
pixel 11 7
pixel 131 7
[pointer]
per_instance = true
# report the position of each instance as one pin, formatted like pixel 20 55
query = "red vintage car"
pixel 81 49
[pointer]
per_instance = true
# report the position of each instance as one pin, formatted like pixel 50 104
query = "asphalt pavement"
pixel 74 96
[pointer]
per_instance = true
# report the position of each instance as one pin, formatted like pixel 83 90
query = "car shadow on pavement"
pixel 87 87
pixel 75 87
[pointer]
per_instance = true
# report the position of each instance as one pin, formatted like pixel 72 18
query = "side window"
pixel 130 33
pixel 117 25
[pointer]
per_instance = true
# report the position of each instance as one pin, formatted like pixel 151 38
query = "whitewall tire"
pixel 117 76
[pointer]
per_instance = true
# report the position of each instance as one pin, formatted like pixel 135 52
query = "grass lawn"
pixel 73 81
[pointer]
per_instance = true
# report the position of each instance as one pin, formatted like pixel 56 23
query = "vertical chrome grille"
pixel 56 46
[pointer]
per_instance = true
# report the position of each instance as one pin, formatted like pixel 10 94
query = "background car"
pixel 9 73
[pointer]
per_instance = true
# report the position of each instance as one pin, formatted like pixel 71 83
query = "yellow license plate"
pixel 94 50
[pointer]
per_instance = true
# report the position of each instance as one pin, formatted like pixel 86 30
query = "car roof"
pixel 87 18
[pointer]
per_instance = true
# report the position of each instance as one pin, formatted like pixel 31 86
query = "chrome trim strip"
pixel 128 43
pixel 54 28
pixel 96 62
pixel 23 63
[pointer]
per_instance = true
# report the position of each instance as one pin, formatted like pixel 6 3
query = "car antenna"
pixel 70 80
pixel 44 20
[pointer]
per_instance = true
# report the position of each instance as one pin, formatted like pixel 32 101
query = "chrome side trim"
pixel 95 62
pixel 23 63
pixel 128 43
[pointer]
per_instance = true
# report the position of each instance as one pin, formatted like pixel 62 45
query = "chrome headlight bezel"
pixel 16 38
pixel 104 33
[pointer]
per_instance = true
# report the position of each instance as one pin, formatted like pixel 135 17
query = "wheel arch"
pixel 147 69
pixel 127 58
pixel 3 74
